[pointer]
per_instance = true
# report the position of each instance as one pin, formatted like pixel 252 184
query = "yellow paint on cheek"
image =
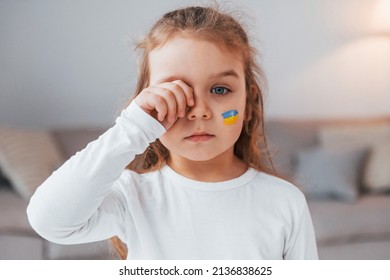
pixel 230 120
pixel 230 117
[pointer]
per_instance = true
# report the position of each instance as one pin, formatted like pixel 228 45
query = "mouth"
pixel 199 137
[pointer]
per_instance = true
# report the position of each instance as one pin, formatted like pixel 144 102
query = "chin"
pixel 199 156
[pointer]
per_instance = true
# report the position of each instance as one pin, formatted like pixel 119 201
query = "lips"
pixel 200 137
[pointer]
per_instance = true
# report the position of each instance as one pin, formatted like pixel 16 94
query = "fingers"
pixel 182 95
pixel 188 92
pixel 166 101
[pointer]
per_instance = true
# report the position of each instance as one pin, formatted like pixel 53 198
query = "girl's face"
pixel 218 82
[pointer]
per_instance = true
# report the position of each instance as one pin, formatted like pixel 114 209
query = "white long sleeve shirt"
pixel 164 215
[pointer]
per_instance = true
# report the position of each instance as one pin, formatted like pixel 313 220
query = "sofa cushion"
pixel 377 172
pixel 18 241
pixel 357 134
pixel 337 223
pixel 13 218
pixel 27 158
pixel 327 173
pixel 368 250
pixel 74 140
pixel 88 251
pixel 20 247
pixel 285 138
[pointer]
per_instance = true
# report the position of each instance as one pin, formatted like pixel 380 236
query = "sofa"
pixel 342 167
pixel 27 158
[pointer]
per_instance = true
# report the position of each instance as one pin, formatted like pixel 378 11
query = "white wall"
pixel 324 60
pixel 70 63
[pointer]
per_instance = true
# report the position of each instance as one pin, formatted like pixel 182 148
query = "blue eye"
pixel 220 90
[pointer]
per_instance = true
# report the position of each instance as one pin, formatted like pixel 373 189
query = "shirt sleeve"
pixel 80 202
pixel 301 245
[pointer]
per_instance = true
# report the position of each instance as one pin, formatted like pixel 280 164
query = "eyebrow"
pixel 228 73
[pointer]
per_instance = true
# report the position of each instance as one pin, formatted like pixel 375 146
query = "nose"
pixel 200 111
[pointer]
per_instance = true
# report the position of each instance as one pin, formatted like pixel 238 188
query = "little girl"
pixel 200 187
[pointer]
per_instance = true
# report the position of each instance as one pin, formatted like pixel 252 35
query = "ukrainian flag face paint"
pixel 230 117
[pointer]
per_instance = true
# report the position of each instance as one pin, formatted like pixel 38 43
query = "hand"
pixel 166 102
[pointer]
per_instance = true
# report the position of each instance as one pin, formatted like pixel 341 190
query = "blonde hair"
pixel 208 23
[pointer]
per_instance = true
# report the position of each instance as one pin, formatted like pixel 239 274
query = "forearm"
pixel 71 196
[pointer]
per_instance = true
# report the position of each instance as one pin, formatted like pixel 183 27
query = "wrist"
pixel 139 117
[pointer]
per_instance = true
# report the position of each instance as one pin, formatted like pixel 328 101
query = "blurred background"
pixel 71 63
pixel 67 68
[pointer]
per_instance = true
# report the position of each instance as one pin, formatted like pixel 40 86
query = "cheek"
pixel 170 138
pixel 233 114
pixel 167 141
pixel 167 136
pixel 230 117
pixel 236 106
pixel 231 127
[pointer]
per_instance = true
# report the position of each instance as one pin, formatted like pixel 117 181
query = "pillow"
pixel 27 158
pixel 377 172
pixel 367 134
pixel 330 173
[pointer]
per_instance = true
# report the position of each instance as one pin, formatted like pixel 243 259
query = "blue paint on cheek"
pixel 230 117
